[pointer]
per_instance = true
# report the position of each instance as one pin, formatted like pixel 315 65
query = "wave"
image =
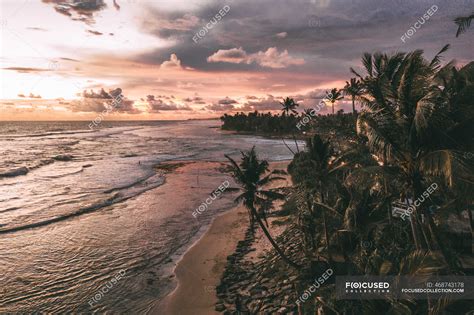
pixel 116 198
pixel 10 209
pixel 67 174
pixel 45 134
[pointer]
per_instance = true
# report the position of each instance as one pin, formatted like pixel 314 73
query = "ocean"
pixel 79 207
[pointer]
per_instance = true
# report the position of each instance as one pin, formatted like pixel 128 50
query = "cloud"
pixel 271 58
pixel 100 101
pixel 37 29
pixel 233 55
pixel 34 96
pixel 25 69
pixel 69 59
pixel 227 101
pixel 196 100
pixel 102 94
pixel 220 107
pixel 173 63
pixel 94 32
pixel 168 24
pixel 31 95
pixel 79 10
pixel 281 35
pixel 156 104
pixel 269 102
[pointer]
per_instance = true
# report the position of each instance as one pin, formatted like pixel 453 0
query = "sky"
pixel 171 59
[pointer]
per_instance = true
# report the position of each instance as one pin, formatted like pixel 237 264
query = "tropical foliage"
pixel 333 96
pixel 415 128
pixel 463 23
pixel 251 175
pixel 354 90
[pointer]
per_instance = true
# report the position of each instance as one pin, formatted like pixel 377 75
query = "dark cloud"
pixel 227 101
pixel 100 101
pixel 26 69
pixel 157 104
pixel 262 104
pixel 94 32
pixel 102 94
pixel 31 95
pixel 169 24
pixel 69 59
pixel 196 100
pixel 37 29
pixel 330 36
pixel 220 107
pixel 80 10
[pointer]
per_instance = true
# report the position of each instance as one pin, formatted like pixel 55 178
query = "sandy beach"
pixel 200 269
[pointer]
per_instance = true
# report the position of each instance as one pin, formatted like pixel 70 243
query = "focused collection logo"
pixel 367 287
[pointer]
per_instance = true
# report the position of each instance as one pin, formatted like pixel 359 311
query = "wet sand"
pixel 200 269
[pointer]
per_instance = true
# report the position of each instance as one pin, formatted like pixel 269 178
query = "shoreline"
pixel 199 270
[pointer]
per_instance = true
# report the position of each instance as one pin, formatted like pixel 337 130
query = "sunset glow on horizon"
pixel 248 59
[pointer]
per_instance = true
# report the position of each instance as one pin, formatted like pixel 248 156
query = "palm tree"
pixel 354 89
pixel 289 105
pixel 406 126
pixel 316 176
pixel 463 23
pixel 333 96
pixel 251 175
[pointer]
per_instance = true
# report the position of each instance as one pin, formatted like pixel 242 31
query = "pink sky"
pixel 249 59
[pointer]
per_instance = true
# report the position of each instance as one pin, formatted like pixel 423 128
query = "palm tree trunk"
pixel 414 230
pixel 296 143
pixel 469 213
pixel 432 228
pixel 274 244
pixel 292 152
pixel 332 103
pixel 353 104
pixel 326 234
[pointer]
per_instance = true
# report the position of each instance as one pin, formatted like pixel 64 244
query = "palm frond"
pixel 463 23
pixel 435 63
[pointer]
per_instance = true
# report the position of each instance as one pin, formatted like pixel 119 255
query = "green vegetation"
pixel 415 128
pixel 463 23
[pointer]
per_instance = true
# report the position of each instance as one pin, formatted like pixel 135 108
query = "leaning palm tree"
pixel 289 106
pixel 463 23
pixel 251 175
pixel 333 96
pixel 354 89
